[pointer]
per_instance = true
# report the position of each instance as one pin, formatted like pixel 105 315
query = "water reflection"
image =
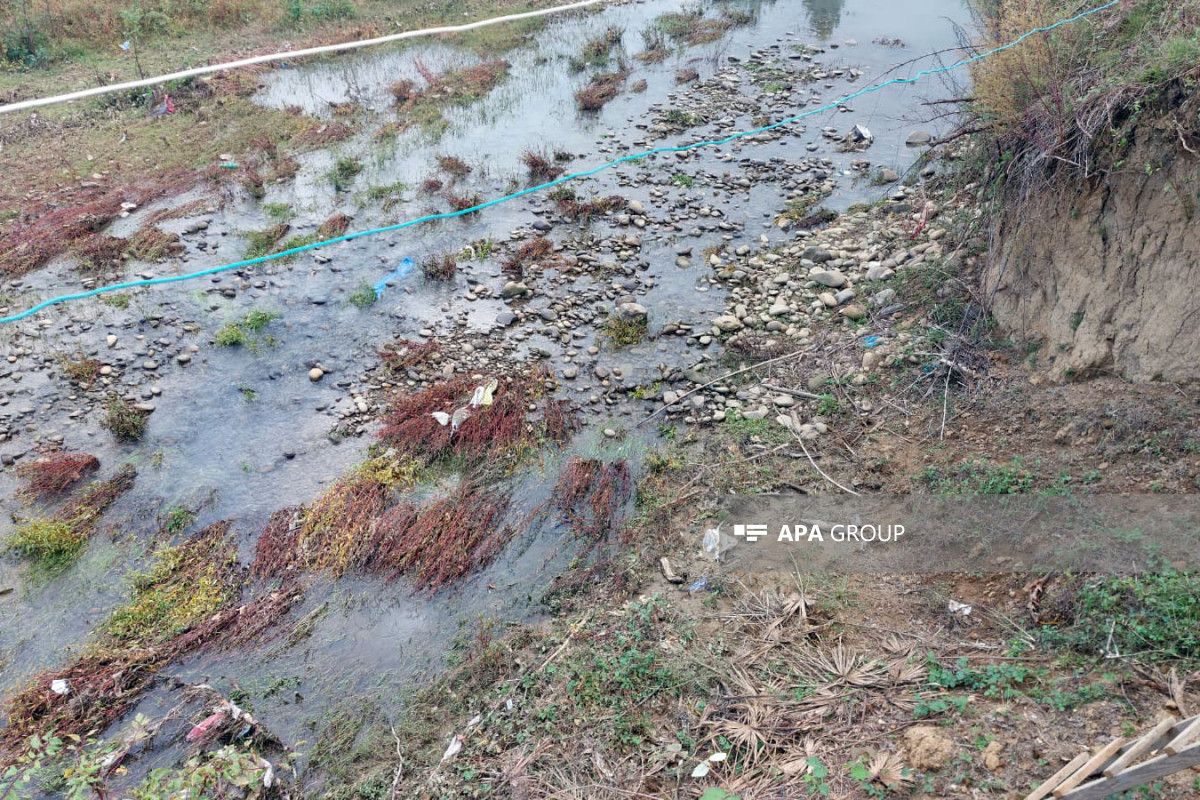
pixel 823 15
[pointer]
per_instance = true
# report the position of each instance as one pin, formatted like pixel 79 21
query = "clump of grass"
pixel 279 212
pixel 1156 615
pixel 571 207
pixel 152 243
pixel 81 371
pixel 54 473
pixel 440 267
pixel 387 196
pixel 461 202
pixel 125 422
pixel 656 49
pixel 404 91
pixel 99 253
pixel 343 171
pixel 241 331
pixel 492 433
pixel 541 166
pixel 602 89
pixel 54 543
pixel 403 354
pixel 334 533
pixel 624 331
pixel 29 245
pixel 365 297
pixel 536 250
pixel 687 75
pixel 691 27
pixel 591 494
pixel 597 51
pixel 431 185
pixel 261 243
pixel 119 300
pixel 468 84
pixel 322 135
pixel 447 540
pixel 333 227
pixel 453 166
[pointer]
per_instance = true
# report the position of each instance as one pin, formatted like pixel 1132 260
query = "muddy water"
pixel 238 434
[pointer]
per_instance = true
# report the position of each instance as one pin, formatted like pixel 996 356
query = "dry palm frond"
pixel 845 667
pixel 797 759
pixel 897 645
pixel 904 670
pixel 889 770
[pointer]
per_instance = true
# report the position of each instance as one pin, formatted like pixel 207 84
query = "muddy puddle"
pixel 238 433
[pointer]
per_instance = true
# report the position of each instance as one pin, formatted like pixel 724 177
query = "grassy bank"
pixel 1073 99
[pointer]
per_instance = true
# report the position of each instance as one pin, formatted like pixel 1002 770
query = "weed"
pixel 344 169
pixel 55 473
pixel 126 423
pixel 1154 615
pixel 261 243
pixel 602 89
pixel 403 354
pixel 541 166
pixel 82 371
pixel 279 212
pixel 55 542
pixel 624 331
pixel 240 332
pixel 152 243
pixel 440 267
pixel 538 250
pixel 453 166
pixel 120 300
pixel 332 228
pixel 462 202
pixel 365 297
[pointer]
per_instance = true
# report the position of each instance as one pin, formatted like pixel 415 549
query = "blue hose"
pixel 541 187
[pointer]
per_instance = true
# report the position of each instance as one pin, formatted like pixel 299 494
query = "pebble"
pixel 315 374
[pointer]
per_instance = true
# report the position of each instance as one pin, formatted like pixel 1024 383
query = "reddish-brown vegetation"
pixel 591 494
pixel 535 251
pixel 54 473
pixel 403 354
pixel 35 240
pixel 490 432
pixel 444 541
pixel 333 227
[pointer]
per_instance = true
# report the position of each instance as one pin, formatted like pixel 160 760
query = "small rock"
pixel 854 311
pixel 918 138
pixel 112 340
pixel 728 323
pixel 833 278
pixel 315 374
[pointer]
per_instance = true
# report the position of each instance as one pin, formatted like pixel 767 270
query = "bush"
pixel 125 422
pixel 54 473
pixel 1154 615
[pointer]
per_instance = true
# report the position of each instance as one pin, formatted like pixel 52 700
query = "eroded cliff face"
pixel 1105 275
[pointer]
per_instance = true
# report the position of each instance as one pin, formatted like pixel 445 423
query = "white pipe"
pixel 311 51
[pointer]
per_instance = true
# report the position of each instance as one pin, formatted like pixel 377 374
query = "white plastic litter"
pixel 959 609
pixel 456 744
pixel 59 686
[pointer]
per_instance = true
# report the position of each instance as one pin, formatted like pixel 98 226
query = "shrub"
pixel 1154 615
pixel 343 172
pixel 125 422
pixel 440 268
pixel 54 473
